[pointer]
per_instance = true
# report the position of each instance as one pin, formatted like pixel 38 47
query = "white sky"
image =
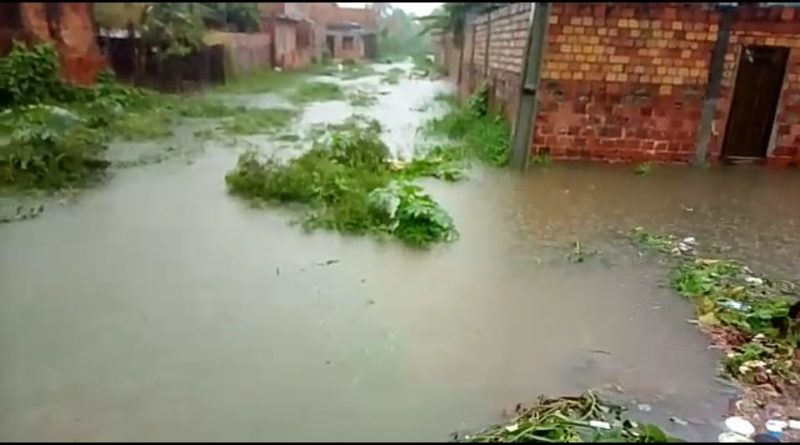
pixel 419 9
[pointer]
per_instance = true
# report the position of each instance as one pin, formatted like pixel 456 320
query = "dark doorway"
pixel 370 46
pixel 755 100
pixel 331 43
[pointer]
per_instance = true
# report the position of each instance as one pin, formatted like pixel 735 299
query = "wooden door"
pixel 755 100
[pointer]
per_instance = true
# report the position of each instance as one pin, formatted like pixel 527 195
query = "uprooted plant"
pixel 347 185
pixel 570 419
pixel 475 129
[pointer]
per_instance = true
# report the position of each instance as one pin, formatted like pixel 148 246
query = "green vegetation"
pixel 360 98
pixel 317 92
pixel 750 317
pixel 258 121
pixel 570 419
pixel 347 185
pixel 643 168
pixel 262 82
pixel 393 76
pixel 474 129
pixel 399 33
pixel 348 71
pixel 441 162
pixel 425 67
pixel 541 159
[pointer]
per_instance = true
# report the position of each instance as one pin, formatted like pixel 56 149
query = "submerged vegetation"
pixel 474 129
pixel 570 419
pixel 753 319
pixel 347 185
pixel 317 92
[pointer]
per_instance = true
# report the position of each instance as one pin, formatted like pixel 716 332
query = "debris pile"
pixel 569 419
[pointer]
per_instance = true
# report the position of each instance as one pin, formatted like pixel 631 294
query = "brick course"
pixel 624 82
pixel 627 82
pixel 505 31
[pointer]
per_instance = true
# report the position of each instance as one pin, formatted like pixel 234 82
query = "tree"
pixel 243 16
pixel 172 28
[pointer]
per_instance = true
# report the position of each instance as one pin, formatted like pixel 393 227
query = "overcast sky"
pixel 419 9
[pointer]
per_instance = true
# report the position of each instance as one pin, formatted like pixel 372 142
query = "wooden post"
pixel 713 89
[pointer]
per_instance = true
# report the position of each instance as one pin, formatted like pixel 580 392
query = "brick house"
pixel 292 33
pixel 664 82
pixel 345 33
pixel 69 26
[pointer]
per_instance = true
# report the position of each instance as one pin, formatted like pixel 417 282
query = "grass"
pixel 258 121
pixel 262 82
pixel 475 130
pixel 317 92
pixel 347 185
pixel 360 98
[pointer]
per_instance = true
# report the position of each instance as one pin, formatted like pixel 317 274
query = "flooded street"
pixel 158 307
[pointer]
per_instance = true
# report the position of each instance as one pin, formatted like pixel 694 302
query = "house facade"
pixel 292 33
pixel 632 82
pixel 345 33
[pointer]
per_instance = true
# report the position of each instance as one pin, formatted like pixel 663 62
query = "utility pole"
pixel 526 109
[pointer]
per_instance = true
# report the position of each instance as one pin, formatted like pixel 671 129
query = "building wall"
pixel 72 32
pixel 355 52
pixel 324 14
pixel 504 48
pixel 287 54
pixel 627 82
pixel 770 27
pixel 624 82
pixel 244 53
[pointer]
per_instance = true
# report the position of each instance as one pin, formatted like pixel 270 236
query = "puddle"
pixel 159 308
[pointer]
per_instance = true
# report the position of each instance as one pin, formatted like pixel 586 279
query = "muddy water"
pixel 159 308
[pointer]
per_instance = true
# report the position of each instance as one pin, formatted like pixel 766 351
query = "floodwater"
pixel 158 307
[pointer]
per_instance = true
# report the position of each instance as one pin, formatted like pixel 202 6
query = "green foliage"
pixel 243 16
pixel 346 183
pixel 729 295
pixel 415 217
pixel 541 159
pixel 261 82
pixel 393 76
pixel 258 121
pixel 30 76
pixel 660 242
pixel 317 92
pixel 173 29
pixel 643 168
pixel 50 148
pixel 400 34
pixel 750 315
pixel 479 132
pixel 441 162
pixel 569 419
pixel 360 98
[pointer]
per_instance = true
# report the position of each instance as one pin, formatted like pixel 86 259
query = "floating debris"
pixel 569 419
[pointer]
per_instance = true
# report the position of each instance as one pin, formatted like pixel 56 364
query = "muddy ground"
pixel 158 307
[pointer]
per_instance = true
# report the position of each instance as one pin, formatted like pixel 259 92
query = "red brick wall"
pixel 624 82
pixel 509 27
pixel 627 82
pixel 770 27
pixel 74 38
